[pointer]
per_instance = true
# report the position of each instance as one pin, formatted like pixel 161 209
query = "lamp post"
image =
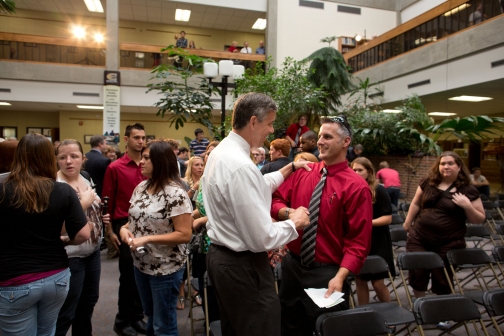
pixel 225 69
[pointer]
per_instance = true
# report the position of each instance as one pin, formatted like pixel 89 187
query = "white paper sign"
pixel 111 109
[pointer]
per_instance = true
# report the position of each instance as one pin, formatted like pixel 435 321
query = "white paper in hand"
pixel 317 295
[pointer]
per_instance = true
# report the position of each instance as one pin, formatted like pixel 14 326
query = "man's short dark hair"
pixel 182 150
pixel 136 126
pixel 96 140
pixel 249 105
pixel 198 131
pixel 309 135
pixel 182 32
pixel 359 147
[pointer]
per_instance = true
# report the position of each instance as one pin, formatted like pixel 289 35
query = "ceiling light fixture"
pixel 457 9
pixel 182 15
pixel 259 24
pixel 442 114
pixel 94 6
pixel 5 104
pixel 470 98
pixel 358 38
pixel 90 107
pixel 79 32
pixel 392 111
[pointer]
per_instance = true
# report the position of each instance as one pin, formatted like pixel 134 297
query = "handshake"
pixel 300 217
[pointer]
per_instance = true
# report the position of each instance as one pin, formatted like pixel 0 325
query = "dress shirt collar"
pixel 240 141
pixel 96 150
pixel 335 168
pixel 127 159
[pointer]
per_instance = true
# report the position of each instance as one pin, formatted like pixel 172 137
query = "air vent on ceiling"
pixel 311 4
pixel 86 94
pixel 427 81
pixel 349 10
pixel 5 90
pixel 497 63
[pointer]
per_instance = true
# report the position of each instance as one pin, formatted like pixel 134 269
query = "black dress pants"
pixel 299 312
pixel 130 305
pixel 245 288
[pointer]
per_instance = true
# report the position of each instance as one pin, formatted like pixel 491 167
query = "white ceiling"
pixel 158 11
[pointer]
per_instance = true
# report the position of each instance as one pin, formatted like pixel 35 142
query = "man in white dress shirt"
pixel 237 200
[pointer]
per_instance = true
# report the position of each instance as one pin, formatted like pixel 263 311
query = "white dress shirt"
pixel 246 50
pixel 237 200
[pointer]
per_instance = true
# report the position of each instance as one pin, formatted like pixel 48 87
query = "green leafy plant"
pixel 185 92
pixel 329 72
pixel 7 7
pixel 473 128
pixel 288 86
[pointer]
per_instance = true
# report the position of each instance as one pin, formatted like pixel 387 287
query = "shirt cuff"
pixel 275 208
pixel 277 178
pixel 352 263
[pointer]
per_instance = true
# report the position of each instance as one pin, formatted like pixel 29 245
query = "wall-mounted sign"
pixel 112 78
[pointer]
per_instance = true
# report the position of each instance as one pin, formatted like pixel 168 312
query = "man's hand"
pixel 87 197
pixel 302 164
pixel 300 218
pixel 335 285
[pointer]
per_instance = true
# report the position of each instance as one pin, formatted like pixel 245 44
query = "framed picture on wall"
pixel 8 132
pixel 87 138
pixel 150 137
pixel 46 132
pixel 33 130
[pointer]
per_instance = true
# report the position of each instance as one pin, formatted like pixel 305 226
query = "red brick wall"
pixel 411 170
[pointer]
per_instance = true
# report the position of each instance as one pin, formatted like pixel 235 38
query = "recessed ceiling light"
pixel 5 104
pixel 392 111
pixel 259 24
pixel 442 114
pixel 90 107
pixel 457 9
pixel 470 98
pixel 98 37
pixel 94 6
pixel 79 32
pixel 182 15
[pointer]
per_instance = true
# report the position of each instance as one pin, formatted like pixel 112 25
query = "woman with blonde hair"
pixel 304 156
pixel 193 175
pixel 381 243
pixel 35 277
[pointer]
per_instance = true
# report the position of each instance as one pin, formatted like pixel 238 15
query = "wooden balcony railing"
pixel 34 48
pixel 444 20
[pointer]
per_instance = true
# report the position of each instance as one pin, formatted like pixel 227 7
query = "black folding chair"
pixel 477 234
pixel 498 256
pixel 494 305
pixel 440 308
pixel 192 302
pixel 398 237
pixel 393 313
pixel 397 222
pixel 409 261
pixel 352 322
pixel 212 328
pixel 404 208
pixel 402 196
pixel 474 260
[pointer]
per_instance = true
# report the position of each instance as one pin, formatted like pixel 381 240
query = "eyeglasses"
pixel 256 154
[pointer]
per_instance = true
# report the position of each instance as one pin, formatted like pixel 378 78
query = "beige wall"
pixel 93 124
pixel 59 25
pixel 25 119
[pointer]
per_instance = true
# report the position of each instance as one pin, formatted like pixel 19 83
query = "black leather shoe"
pixel 125 331
pixel 140 327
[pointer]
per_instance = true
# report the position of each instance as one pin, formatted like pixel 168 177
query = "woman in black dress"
pixel 381 244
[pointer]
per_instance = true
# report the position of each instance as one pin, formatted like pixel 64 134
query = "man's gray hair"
pixel 249 105
pixel 261 150
pixel 96 140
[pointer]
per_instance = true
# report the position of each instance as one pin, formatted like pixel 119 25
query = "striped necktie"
pixel 310 233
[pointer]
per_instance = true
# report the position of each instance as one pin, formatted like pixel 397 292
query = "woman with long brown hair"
pixel 381 243
pixel 437 217
pixel 158 229
pixel 35 278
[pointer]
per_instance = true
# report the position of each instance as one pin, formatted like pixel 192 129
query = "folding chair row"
pixel 214 327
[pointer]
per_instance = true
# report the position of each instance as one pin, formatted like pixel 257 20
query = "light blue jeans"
pixel 32 309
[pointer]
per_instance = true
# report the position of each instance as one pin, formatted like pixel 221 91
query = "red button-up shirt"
pixel 121 178
pixel 345 217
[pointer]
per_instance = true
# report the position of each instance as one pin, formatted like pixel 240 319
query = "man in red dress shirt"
pixel 342 235
pixel 121 178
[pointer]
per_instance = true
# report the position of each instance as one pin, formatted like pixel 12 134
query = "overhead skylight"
pixel 442 114
pixel 90 107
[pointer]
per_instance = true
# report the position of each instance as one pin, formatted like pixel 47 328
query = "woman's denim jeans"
pixel 32 309
pixel 159 296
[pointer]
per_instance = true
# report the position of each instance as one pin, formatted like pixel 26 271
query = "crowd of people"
pixel 319 209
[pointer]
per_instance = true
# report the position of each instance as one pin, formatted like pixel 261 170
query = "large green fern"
pixel 7 7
